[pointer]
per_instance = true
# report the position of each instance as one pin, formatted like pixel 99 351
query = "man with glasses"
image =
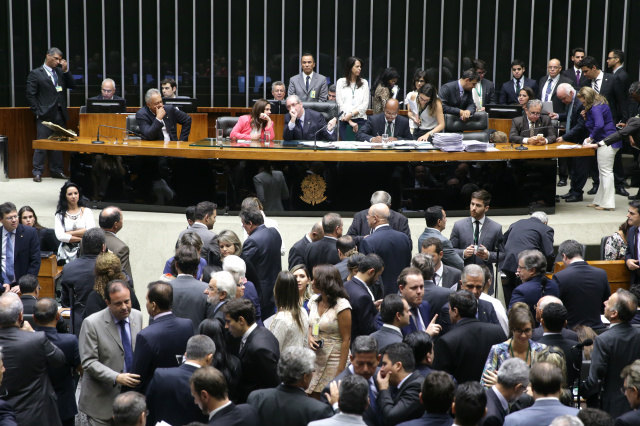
pixel 108 92
pixel 548 86
pixel 631 391
pixel 19 249
pixel 388 122
pixel 535 129
pixel 304 124
pixel 484 92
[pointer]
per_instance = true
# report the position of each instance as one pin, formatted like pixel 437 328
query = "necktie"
pixel 517 87
pixel 372 398
pixel 416 318
pixel 476 233
pixel 577 77
pixel 9 259
pixel 637 254
pixel 569 112
pixel 531 128
pixel 126 344
pixel 595 86
pixel 388 129
pixel 548 92
pixel 436 279
pixel 308 83
pixel 54 74
pixel 299 123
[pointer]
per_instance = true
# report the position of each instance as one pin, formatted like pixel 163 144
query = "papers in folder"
pixel 476 146
pixel 448 142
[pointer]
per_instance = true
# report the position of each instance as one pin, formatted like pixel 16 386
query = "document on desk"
pixel 412 106
pixel 569 146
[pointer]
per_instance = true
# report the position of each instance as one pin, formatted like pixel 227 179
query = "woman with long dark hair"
pixel 290 324
pixel 429 112
pixel 352 96
pixel 256 125
pixel 228 364
pixel 305 285
pixel 532 267
pixel 525 95
pixel 384 88
pixel 419 80
pixel 72 220
pixel 48 242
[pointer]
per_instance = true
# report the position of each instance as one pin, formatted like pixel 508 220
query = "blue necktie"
pixel 126 344
pixel 372 399
pixel 308 83
pixel 9 260
pixel 548 92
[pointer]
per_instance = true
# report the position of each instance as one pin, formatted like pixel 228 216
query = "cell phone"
pixel 320 343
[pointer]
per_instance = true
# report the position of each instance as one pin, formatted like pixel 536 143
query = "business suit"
pixel 566 333
pixel 530 292
pixel 271 189
pixel 189 300
pixel 340 419
pixel 102 356
pixel 463 351
pixel 631 418
pixel 611 88
pixel 262 249
pixel 115 97
pixel 436 296
pixel 25 385
pixel 508 93
pixel 452 103
pixel 450 257
pixel 405 404
pixel 612 351
pixel 151 127
pixel 540 413
pixel 450 276
pixel 425 312
pixel 520 129
pixel 371 415
pixel 386 336
pixel 526 234
pixel 577 132
pixel 7 416
pixel 395 250
pixel 486 314
pixel 495 411
pixel 571 74
pixel 488 92
pixel 120 249
pixel 306 131
pixel 321 252
pixel 78 276
pixel 287 406
pixel 235 415
pixel 583 291
pixel 210 248
pixel 26 252
pixel 376 125
pixel 169 397
pixel 343 268
pixel 318 90
pixel 296 252
pixel 62 377
pixel 430 419
pixel 365 319
pixel 462 237
pixel 569 355
pixel 360 226
pixel 259 357
pixel 158 345
pixel 48 104
pixel 558 105
pixel 632 248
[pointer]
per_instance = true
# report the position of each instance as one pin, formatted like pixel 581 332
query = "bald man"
pixel 538 332
pixel 296 252
pixel 387 122
pixel 548 86
pixel 392 246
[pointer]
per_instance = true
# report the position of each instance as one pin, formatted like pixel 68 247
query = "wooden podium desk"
pixel 47 275
pixel 88 126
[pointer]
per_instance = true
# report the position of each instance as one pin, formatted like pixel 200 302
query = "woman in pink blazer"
pixel 257 125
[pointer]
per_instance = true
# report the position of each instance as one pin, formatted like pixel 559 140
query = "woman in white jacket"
pixel 352 96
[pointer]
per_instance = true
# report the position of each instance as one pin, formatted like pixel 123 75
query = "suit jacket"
pixel 405 404
pixel 570 355
pixel 631 129
pixel 62 377
pixel 495 412
pixel 158 345
pixel 540 413
pixel 210 248
pixel 287 406
pixel 259 357
pixel 395 250
pixel 102 358
pixel 632 248
pixel 271 189
pixel 313 122
pixel 450 276
pixel 365 319
pixel 488 92
pixel 386 336
pixel 430 419
pixel 296 252
pixel 169 397
pixel 262 249
pixel 612 89
pixel 612 351
pixel 376 126
pixel 450 257
pixel 7 416
pixel 558 105
pixel 371 416
pixel 424 309
pixel 526 234
pixel 630 418
pixel 566 333
pixel 78 276
pixel 340 419
pixel 120 249
pixel 235 415
pixel 189 300
pixel 520 129
pixel 25 385
pixel 26 253
pixel 486 314
pixel 508 93
pixel 318 90
pixel 583 291
pixel 578 131
pixel 463 351
pixel 462 237
pixel 360 227
pixel 571 74
pixel 42 96
pixel 452 103
pixel 321 252
pixel 436 296
pixel 531 291
pixel 343 268
pixel 151 128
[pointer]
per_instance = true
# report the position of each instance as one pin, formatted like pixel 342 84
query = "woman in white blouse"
pixel 352 96
pixel 290 325
pixel 71 221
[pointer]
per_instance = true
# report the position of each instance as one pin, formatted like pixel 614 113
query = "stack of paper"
pixel 448 142
pixel 475 146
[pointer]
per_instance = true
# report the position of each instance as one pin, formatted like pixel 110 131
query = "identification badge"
pixel 58 88
pixel 313 94
pixel 316 329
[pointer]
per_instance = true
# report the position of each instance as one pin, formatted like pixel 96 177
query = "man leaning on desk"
pixel 158 122
pixel 303 124
pixel 389 122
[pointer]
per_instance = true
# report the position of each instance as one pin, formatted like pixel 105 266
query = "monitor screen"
pixel 106 106
pixel 503 111
pixel 183 104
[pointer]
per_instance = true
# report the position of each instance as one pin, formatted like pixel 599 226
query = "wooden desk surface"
pixel 183 150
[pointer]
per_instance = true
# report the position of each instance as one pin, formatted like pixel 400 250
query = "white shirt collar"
pixel 304 77
pixel 307 237
pixel 213 413
pixel 439 273
pixel 404 380
pixel 547 398
pixel 435 229
pixel 473 221
pixel 380 226
pixel 162 314
pixel 193 364
pixel 199 225
pixel 393 327
pixel 599 77
pixel 245 336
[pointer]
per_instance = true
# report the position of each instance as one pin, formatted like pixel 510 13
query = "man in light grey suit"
pixel 352 399
pixel 443 275
pixel 436 219
pixel 107 342
pixel 308 85
pixel 396 314
pixel 111 221
pixel 204 218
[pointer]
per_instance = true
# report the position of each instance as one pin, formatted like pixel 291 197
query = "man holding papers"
pixel 389 122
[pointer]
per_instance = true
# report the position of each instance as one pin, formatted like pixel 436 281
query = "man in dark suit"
pixel 389 122
pixel 7 415
pixel 262 249
pixel 29 292
pixel 204 218
pixel 534 129
pixel 158 122
pixel 111 222
pixel 612 351
pixel 159 344
pixel 392 246
pixel 538 332
pixel 456 96
pixel 47 97
pixel 631 130
pixel 108 91
pixel 631 257
pixel 221 289
pixel 21 246
pixel 484 91
pixel 436 219
pixel 395 314
pixel 411 285
pixel 304 124
pixel 615 59
pixel 295 368
pixel 513 379
pixel 631 386
pixel 189 299
pixel 463 351
pixel 259 349
pixel 364 311
pixel 434 295
pixel 583 288
pixel 308 85
pixel 574 72
pixel 436 396
pixel 209 389
pixel 46 317
pixel 296 252
pixel 26 356
pixel 511 89
pixel 443 275
pixel 324 251
pixel 554 319
pixel 168 394
pixel 397 374
pixel 360 226
pixel 548 85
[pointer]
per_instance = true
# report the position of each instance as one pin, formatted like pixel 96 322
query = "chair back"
pixel 132 124
pixel 453 123
pixel 227 124
pixel 328 109
pixel 603 242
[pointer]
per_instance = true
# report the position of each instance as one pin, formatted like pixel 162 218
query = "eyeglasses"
pixel 553 67
pixel 525 331
pixel 536 114
pixel 391 114
pixel 14 217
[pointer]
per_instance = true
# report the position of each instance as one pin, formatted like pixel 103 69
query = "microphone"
pixel 587 342
pixel 99 142
pixel 315 136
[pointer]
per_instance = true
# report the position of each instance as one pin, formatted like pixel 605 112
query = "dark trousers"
pixel 56 164
pixel 564 166
pixel 593 170
pixel 618 170
pixel 509 285
pixel 579 174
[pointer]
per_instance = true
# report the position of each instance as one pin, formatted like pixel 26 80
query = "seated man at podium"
pixel 302 124
pixel 108 92
pixel 158 122
pixel 533 129
pixel 388 122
